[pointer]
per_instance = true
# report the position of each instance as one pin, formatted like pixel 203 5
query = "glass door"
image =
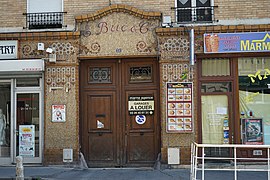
pixel 5 122
pixel 28 126
pixel 215 123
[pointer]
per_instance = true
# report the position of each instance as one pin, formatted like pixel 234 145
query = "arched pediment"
pixel 118 8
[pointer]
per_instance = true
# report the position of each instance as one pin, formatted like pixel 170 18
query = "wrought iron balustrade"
pixel 44 20
pixel 195 14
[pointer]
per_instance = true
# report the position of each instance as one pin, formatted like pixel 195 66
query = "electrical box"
pixel 173 155
pixel 166 19
pixel 41 46
pixel 67 155
pixel 52 58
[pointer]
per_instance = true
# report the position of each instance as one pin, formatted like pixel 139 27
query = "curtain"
pixel 214 112
pixel 215 67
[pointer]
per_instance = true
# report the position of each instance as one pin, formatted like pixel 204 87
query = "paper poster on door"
pixel 27 140
pixel 58 113
pixel 252 131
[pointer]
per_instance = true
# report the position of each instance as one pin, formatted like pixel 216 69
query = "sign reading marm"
pixel 8 49
pixel 141 105
pixel 237 42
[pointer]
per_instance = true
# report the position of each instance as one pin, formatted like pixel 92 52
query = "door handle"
pixel 141 133
pixel 100 133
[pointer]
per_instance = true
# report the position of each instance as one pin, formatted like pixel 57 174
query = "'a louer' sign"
pixel 8 49
pixel 237 42
pixel 141 105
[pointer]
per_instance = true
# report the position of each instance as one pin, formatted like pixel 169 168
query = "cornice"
pixel 118 8
pixel 212 29
pixel 39 35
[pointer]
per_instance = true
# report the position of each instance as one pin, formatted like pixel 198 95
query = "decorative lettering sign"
pixel 27 140
pixel 237 42
pixel 253 77
pixel 8 49
pixel 179 107
pixel 118 33
pixel 139 105
pixel 109 28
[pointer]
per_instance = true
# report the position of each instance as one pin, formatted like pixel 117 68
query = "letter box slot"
pixel 101 115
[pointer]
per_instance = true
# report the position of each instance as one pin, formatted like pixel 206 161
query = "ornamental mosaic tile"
pixel 64 77
pixel 174 48
pixel 66 51
pixel 181 72
pixel 118 34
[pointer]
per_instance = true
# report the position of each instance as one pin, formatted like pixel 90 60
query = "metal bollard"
pixel 19 168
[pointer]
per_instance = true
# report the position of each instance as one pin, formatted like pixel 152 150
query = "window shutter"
pixel 37 6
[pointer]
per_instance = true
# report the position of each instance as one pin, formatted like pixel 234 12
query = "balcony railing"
pixel 44 20
pixel 195 14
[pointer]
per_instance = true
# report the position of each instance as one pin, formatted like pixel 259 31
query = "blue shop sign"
pixel 237 42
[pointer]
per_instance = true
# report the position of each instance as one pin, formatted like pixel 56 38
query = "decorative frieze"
pixel 66 51
pixel 174 48
pixel 180 72
pixel 63 78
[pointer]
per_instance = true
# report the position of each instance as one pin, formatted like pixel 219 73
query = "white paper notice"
pixel 222 110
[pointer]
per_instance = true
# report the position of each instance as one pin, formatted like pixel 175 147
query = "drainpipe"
pixel 191 47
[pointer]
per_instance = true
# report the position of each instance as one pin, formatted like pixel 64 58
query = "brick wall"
pixel 12 16
pixel 11 13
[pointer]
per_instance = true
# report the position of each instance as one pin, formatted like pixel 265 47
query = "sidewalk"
pixel 65 173
pixel 51 173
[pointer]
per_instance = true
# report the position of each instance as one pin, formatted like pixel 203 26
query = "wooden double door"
pixel 119 112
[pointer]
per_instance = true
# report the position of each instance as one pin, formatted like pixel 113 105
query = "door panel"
pixel 110 136
pixel 101 128
pixel 142 139
pixel 141 148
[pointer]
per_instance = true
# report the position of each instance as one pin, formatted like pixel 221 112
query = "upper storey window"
pixel 194 11
pixel 43 14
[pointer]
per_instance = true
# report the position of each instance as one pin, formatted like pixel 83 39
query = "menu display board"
pixel 179 107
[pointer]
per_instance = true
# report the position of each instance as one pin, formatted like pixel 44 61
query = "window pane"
pixel 215 67
pixel 254 91
pixel 99 75
pixel 214 118
pixel 27 82
pixel 5 89
pixel 140 74
pixel 184 14
pixel 37 6
pixel 216 87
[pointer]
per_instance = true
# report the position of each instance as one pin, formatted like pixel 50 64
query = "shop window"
pixel 194 11
pixel 140 74
pixel 5 119
pixel 254 91
pixel 215 67
pixel 99 75
pixel 44 14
